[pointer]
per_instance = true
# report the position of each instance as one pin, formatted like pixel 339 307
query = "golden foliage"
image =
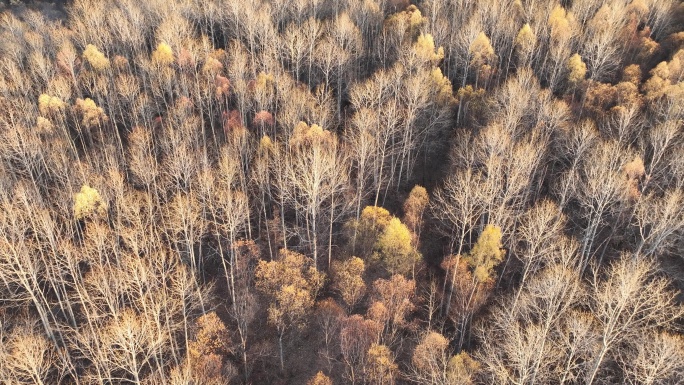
pixel 375 216
pixel 462 368
pixel 632 74
pixel 525 40
pixel 414 207
pixel 473 96
pixel 481 51
pixel 394 248
pixel 577 68
pixel 635 172
pixel 92 115
pixel 50 104
pixel 292 282
pixel 320 379
pixel 416 18
pixel 211 336
pixel 381 366
pixel 263 82
pixel 560 25
pixel 266 144
pixel 408 21
pixel 44 126
pixel 208 349
pixel 442 84
pixel 429 351
pixel 97 60
pixel 88 202
pixel 304 135
pixel 425 48
pixel 212 65
pixel 348 280
pixel 486 254
pixel 666 78
pixel 163 55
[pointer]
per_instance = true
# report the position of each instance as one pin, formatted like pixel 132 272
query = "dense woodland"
pixel 342 192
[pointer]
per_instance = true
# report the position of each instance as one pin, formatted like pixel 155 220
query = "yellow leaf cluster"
pixel 666 78
pixel 43 125
pixel 264 81
pixel 211 336
pixel 305 135
pixel 559 23
pixel 525 40
pixel 425 48
pixel 291 268
pixel 578 69
pixel 416 18
pixel 348 280
pixel 49 104
pixel 163 55
pixel 414 206
pixel 481 51
pixel 442 84
pixel 487 253
pixel 292 282
pixel 212 65
pixel 382 367
pixel 395 249
pixel 95 58
pixel 632 74
pixel 634 171
pixel 462 367
pixel 377 216
pixel 92 114
pixel 469 93
pixel 88 202
pixel 428 351
pixel 320 379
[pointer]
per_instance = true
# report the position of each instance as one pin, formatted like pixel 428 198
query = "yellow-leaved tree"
pixel 474 277
pixel 414 208
pixel 88 202
pixel 320 379
pixel 385 239
pixel 291 283
pixel 163 55
pixel 49 104
pixel 394 248
pixel 482 58
pixel 486 254
pixel 381 368
pixel 525 42
pixel 348 280
pixel 578 70
pixel 208 348
pixel 97 60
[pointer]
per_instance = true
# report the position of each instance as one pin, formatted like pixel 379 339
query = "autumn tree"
pixel 291 283
pixel 320 379
pixel 474 274
pixel 414 208
pixel 356 338
pixel 347 277
pixel 381 367
pixel 392 301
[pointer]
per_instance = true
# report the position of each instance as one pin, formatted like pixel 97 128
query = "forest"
pixel 364 192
